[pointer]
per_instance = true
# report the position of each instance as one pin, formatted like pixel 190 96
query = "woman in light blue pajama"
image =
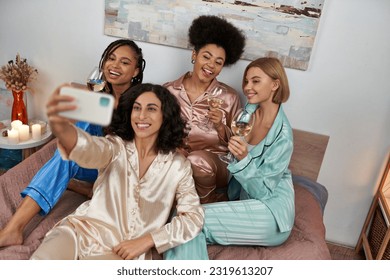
pixel 123 65
pixel 261 209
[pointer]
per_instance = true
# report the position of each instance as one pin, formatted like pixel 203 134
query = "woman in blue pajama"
pixel 50 182
pixel 123 65
pixel 261 208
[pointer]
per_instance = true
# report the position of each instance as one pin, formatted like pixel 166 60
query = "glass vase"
pixel 19 111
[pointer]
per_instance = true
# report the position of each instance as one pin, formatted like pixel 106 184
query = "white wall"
pixel 345 93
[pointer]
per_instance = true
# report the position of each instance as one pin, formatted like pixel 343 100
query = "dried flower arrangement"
pixel 18 74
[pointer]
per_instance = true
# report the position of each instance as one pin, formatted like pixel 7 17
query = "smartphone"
pixel 92 107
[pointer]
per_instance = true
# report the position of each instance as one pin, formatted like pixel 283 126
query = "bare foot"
pixel 12 233
pixel 10 237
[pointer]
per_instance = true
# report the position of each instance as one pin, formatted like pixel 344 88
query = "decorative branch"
pixel 17 75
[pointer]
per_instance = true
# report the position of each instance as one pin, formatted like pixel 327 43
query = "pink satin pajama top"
pixel 196 113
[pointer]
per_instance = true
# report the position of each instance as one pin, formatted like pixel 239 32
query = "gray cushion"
pixel 319 191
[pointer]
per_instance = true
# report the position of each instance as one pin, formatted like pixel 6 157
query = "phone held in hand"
pixel 92 107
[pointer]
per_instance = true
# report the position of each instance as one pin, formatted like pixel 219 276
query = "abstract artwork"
pixel 281 28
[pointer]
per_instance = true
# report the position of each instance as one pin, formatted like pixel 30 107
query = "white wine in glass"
pixel 241 128
pixel 214 101
pixel 95 81
pixel 242 125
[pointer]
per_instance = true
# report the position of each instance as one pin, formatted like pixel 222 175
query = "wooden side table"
pixel 375 235
pixel 28 147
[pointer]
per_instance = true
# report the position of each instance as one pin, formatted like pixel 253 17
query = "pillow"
pixel 319 191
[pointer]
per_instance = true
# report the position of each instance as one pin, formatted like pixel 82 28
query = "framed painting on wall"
pixel 281 28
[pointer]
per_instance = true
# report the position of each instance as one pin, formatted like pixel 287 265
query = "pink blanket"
pixel 307 241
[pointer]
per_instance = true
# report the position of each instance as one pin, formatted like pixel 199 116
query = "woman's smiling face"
pixel 258 86
pixel 121 66
pixel 209 61
pixel 147 116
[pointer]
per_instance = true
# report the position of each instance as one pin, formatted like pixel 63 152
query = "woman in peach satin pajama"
pixel 217 43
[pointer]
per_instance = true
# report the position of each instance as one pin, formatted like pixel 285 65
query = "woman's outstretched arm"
pixel 62 127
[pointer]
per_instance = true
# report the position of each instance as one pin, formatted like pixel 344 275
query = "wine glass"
pixel 187 130
pixel 214 101
pixel 95 81
pixel 242 125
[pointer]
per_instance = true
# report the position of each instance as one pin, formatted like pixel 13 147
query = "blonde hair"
pixel 275 70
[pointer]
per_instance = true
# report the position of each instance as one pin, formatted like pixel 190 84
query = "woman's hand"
pixel 215 116
pixel 61 126
pixel 238 147
pixel 58 103
pixel 131 249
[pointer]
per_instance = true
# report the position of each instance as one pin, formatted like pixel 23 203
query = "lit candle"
pixel 15 124
pixel 24 132
pixel 36 131
pixel 13 136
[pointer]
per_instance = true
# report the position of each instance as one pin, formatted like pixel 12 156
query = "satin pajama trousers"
pixel 51 181
pixel 210 176
pixel 61 244
pixel 244 222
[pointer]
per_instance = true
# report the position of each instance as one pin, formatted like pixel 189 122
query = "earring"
pixel 193 61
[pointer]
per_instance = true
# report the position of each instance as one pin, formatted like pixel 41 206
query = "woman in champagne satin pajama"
pixel 141 175
pixel 217 43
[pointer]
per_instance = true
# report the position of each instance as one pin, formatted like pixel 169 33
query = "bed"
pixel 306 242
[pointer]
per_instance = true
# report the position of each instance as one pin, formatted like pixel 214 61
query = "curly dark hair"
pixel 208 29
pixel 141 63
pixel 171 132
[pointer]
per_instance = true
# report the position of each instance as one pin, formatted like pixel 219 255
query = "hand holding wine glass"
pixel 214 100
pixel 241 126
pixel 95 81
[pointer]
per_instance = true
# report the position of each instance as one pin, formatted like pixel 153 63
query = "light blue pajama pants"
pixel 244 222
